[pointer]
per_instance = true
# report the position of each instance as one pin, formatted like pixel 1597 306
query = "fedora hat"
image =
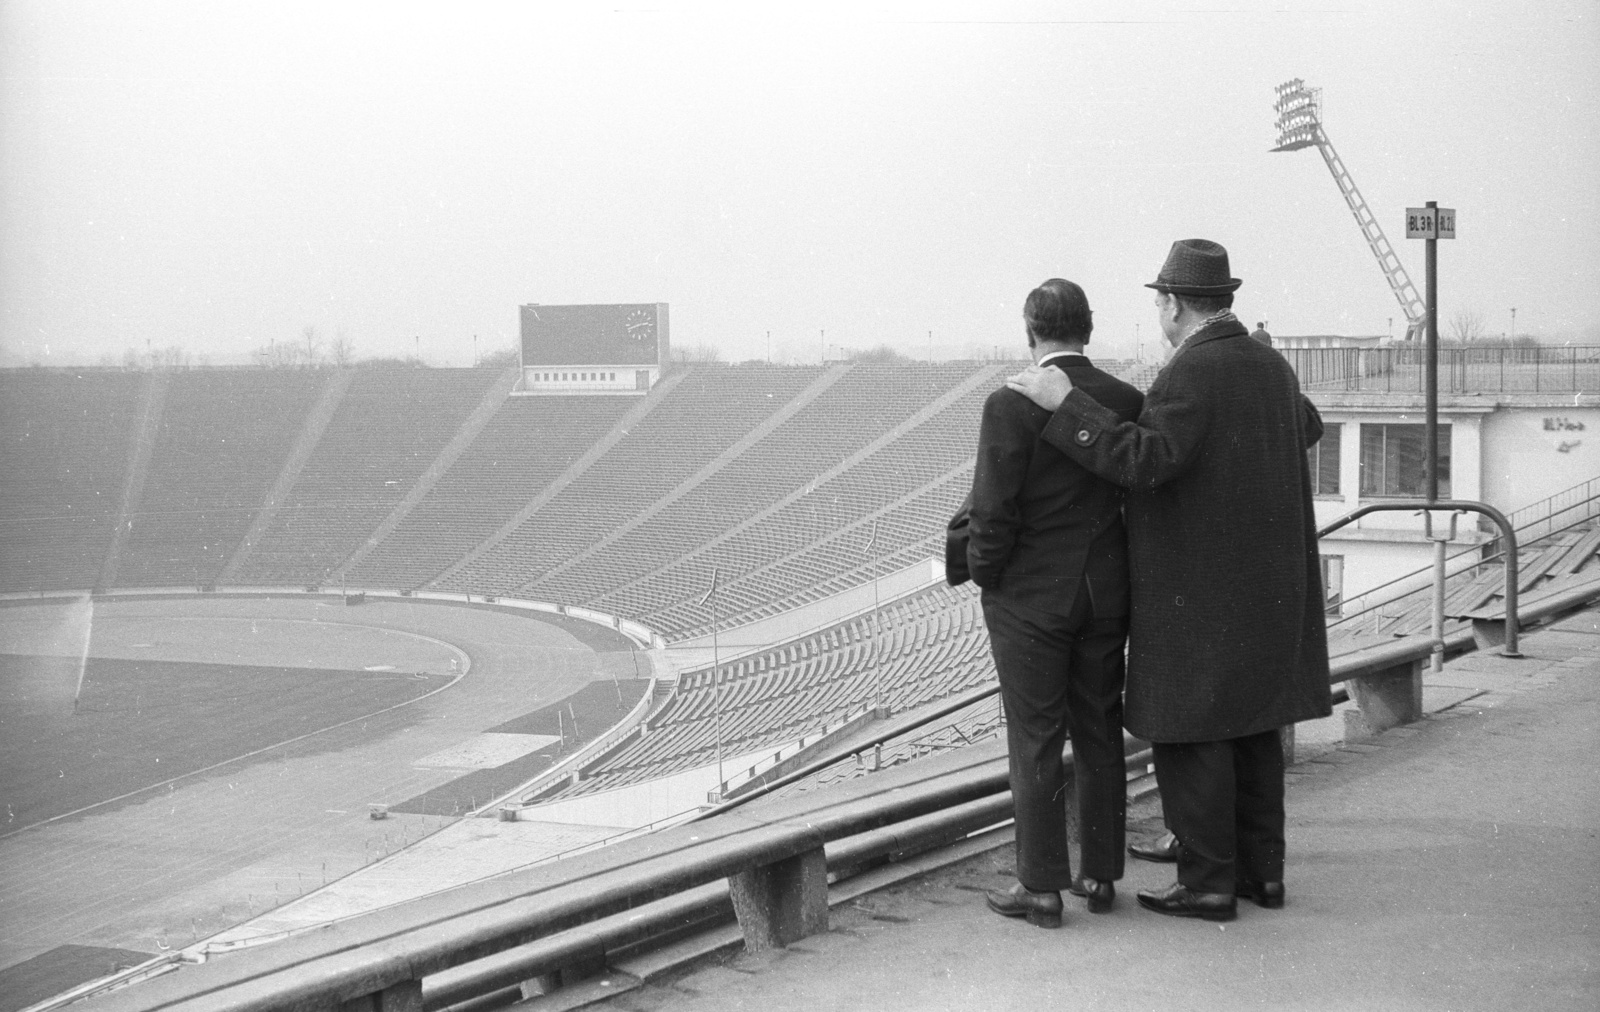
pixel 1195 267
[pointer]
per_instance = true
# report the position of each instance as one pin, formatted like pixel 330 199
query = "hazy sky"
pixel 218 175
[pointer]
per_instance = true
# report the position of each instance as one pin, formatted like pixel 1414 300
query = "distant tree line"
pixel 310 351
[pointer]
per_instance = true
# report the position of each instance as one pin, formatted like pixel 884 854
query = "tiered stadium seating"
pixel 223 439
pixel 865 403
pixel 65 443
pixel 525 446
pixel 914 484
pixel 389 427
pixel 711 409
pixel 924 648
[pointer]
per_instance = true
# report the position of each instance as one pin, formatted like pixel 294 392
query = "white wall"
pixel 1532 453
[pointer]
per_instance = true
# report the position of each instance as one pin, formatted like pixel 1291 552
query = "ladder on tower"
pixel 1394 271
pixel 1300 126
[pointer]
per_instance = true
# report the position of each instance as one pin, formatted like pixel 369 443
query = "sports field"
pixel 171 767
pixel 160 697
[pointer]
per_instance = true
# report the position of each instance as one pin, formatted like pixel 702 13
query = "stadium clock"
pixel 641 325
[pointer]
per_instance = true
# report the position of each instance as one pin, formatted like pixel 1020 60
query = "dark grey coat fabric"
pixel 1227 636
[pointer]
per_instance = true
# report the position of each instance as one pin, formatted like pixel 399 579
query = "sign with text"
pixel 1430 223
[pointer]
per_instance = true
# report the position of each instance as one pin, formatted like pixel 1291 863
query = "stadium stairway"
pixel 305 444
pixel 757 545
pixel 468 572
pixel 389 427
pixel 224 436
pixel 526 446
pixel 493 398
pixel 144 441
pixel 712 408
pixel 669 499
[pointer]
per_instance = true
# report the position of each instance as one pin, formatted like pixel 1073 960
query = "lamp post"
pixel 1513 323
pixel 716 678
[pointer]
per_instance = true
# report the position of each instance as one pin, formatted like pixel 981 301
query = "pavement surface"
pixel 1450 864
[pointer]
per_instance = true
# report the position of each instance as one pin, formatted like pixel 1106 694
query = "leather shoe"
pixel 1178 900
pixel 1163 850
pixel 1099 895
pixel 1041 909
pixel 1265 894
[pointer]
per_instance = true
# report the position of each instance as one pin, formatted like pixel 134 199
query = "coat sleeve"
pixel 1143 454
pixel 1313 421
pixel 1005 449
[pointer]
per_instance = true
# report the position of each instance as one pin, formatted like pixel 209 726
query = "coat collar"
pixel 1227 328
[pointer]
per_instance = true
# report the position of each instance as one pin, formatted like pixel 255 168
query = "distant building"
pixel 1326 341
pixel 1515 430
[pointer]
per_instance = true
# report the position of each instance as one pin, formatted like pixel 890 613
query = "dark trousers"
pixel 1062 675
pixel 1224 802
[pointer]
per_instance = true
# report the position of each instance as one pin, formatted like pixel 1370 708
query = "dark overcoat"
pixel 1227 636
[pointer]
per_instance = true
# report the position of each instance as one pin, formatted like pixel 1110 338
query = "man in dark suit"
pixel 1227 641
pixel 1048 547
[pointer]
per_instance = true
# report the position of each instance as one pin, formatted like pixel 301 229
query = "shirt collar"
pixel 1061 354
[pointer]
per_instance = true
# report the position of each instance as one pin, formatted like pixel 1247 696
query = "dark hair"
pixel 1205 305
pixel 1058 311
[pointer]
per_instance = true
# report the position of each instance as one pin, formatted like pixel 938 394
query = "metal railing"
pixel 1560 512
pixel 1453 506
pixel 1401 368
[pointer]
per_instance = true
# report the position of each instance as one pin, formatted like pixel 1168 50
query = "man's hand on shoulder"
pixel 1044 387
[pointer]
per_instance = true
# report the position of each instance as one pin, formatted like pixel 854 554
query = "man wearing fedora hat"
pixel 1227 642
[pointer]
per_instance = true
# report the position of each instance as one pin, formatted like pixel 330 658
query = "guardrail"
pixel 1401 368
pixel 770 863
pixel 1428 507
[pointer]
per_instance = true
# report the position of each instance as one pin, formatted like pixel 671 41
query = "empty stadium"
pixel 247 610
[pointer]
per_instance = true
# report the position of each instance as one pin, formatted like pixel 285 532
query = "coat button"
pixel 1084 437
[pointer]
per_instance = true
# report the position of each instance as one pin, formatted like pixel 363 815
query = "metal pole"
pixel 1431 440
pixel 877 629
pixel 716 679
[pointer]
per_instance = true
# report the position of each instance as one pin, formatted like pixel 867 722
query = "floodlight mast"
pixel 1300 126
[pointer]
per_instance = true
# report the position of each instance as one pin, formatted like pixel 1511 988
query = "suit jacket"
pixel 1227 636
pixel 1039 522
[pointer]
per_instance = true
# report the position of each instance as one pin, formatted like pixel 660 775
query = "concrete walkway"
pixel 1452 864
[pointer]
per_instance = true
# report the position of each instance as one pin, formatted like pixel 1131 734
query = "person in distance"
pixel 1046 544
pixel 1227 642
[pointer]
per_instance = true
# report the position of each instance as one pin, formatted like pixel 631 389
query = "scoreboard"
pixel 593 348
pixel 628 333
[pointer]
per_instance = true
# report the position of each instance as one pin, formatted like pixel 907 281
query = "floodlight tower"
pixel 1300 126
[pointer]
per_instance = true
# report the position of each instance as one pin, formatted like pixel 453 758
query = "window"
pixel 1393 463
pixel 1324 460
pixel 1332 583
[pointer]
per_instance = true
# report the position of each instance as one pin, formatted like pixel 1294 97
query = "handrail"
pixel 1583 496
pixel 1456 506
